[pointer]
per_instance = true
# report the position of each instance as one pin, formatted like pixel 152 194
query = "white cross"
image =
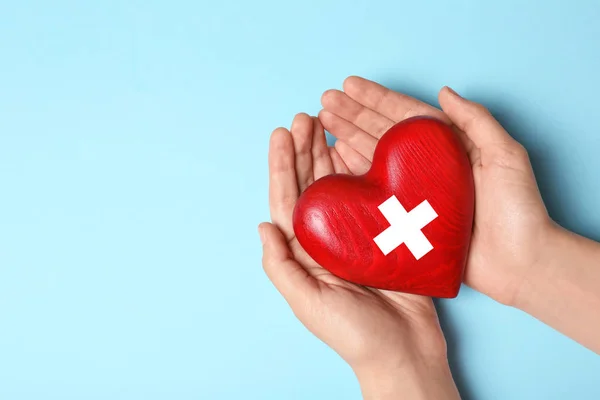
pixel 405 227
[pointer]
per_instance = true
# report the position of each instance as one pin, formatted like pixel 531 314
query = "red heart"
pixel 423 164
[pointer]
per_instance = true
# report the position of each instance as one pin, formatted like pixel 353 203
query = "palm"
pixel 508 202
pixel 510 213
pixel 296 159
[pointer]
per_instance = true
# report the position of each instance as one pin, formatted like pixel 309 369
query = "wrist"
pixel 563 292
pixel 556 241
pixel 516 282
pixel 419 380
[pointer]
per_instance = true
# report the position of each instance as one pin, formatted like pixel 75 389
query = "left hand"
pixel 511 229
pixel 383 335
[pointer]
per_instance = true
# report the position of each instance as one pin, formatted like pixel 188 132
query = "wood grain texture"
pixel 336 218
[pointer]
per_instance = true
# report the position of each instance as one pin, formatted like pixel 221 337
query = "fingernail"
pixel 261 233
pixel 453 92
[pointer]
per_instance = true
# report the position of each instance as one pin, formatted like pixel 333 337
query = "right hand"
pixel 511 224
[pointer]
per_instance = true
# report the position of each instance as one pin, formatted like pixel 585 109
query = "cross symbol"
pixel 405 227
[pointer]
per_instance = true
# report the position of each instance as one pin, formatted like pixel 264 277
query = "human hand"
pixel 392 341
pixel 511 224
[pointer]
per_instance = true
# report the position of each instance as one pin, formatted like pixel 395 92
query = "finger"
pixel 475 120
pixel 472 150
pixel 349 133
pixel 393 105
pixel 361 141
pixel 283 187
pixel 322 165
pixel 467 142
pixel 339 165
pixel 364 118
pixel 283 270
pixel 357 164
pixel 302 134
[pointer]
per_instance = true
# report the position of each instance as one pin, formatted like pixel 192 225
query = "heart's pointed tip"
pixel 447 296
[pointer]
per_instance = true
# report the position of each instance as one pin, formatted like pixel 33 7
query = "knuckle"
pixel 512 154
pixel 520 150
pixel 480 111
pixel 481 108
pixel 283 164
pixel 478 114
pixel 521 154
pixel 515 150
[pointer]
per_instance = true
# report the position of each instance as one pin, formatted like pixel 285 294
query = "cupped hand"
pixel 373 330
pixel 511 224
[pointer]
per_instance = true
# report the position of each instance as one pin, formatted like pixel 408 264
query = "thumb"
pixel 283 270
pixel 474 120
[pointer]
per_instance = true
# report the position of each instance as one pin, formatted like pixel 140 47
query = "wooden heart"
pixel 406 224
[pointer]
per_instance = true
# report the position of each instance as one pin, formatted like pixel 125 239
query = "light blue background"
pixel 133 143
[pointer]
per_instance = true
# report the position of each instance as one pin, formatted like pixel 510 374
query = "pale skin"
pixel 518 255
